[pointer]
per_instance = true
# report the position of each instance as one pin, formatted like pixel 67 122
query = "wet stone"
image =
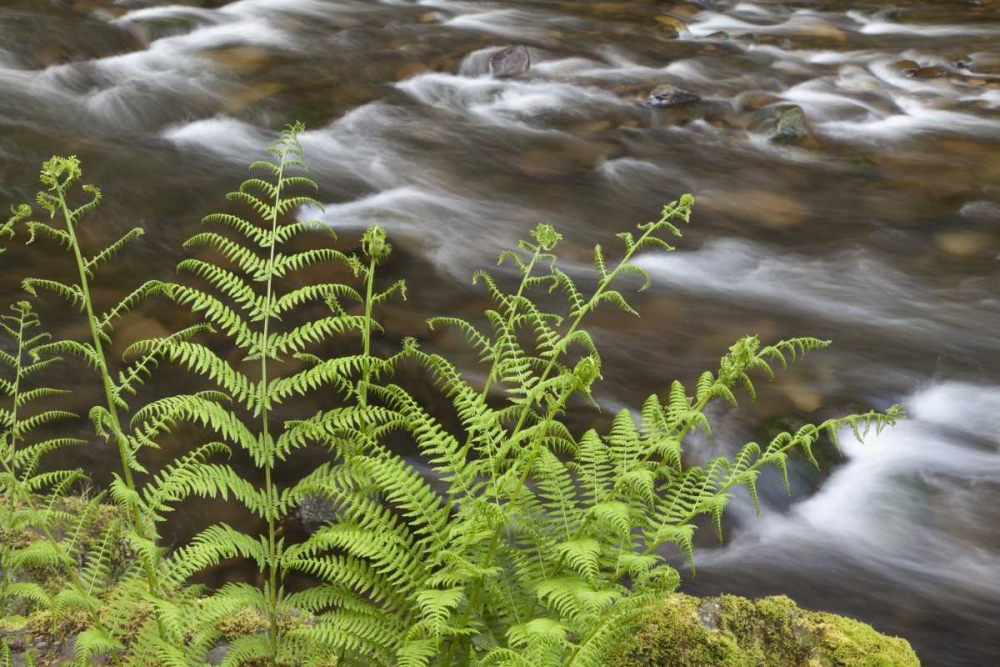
pixel 432 17
pixel 666 96
pixel 929 73
pixel 791 125
pixel 671 26
pixel 510 62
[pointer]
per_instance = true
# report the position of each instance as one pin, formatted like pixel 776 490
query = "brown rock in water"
pixel 906 67
pixel 770 209
pixel 671 26
pixel 510 62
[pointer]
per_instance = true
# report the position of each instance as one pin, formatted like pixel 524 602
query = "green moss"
pixel 730 631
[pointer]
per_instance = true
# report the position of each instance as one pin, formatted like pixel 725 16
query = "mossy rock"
pixel 730 631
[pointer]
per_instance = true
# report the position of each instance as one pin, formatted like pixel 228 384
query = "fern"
pixel 543 547
pixel 246 303
pixel 516 540
pixel 143 504
pixel 33 498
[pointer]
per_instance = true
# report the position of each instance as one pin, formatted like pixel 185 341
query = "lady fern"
pixel 543 547
pixel 21 479
pixel 139 502
pixel 517 541
pixel 34 500
pixel 246 302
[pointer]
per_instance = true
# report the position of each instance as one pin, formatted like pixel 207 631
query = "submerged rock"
pixel 730 631
pixel 671 27
pixel 510 62
pixel 666 96
pixel 790 125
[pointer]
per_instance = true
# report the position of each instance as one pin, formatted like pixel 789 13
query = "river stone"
pixel 510 62
pixel 670 26
pixel 962 244
pixel 791 126
pixel 771 209
pixel 666 96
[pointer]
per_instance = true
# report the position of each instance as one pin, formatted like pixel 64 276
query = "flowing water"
pixel 880 229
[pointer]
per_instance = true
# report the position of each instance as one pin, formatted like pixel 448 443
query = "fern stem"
pixel 270 490
pixel 367 332
pixel 116 429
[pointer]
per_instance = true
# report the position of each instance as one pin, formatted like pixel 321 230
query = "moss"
pixel 245 622
pixel 730 631
pixel 49 625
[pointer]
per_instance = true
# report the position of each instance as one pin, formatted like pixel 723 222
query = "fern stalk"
pixel 270 489
pixel 108 385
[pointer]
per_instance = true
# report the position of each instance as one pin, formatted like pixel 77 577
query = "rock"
pixel 791 125
pixel 431 17
pixel 730 631
pixel 820 30
pixel 720 35
pixel 410 70
pixel 708 614
pixel 218 653
pixel 314 512
pixel 928 73
pixel 961 60
pixel 670 26
pixel 906 67
pixel 962 244
pixel 510 62
pixel 771 209
pixel 666 96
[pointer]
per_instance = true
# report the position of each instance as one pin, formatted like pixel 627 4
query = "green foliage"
pixel 517 540
pixel 21 456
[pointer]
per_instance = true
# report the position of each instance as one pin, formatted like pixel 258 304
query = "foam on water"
pixel 502 102
pixel 871 26
pixel 852 286
pixel 509 23
pixel 917 118
pixel 226 137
